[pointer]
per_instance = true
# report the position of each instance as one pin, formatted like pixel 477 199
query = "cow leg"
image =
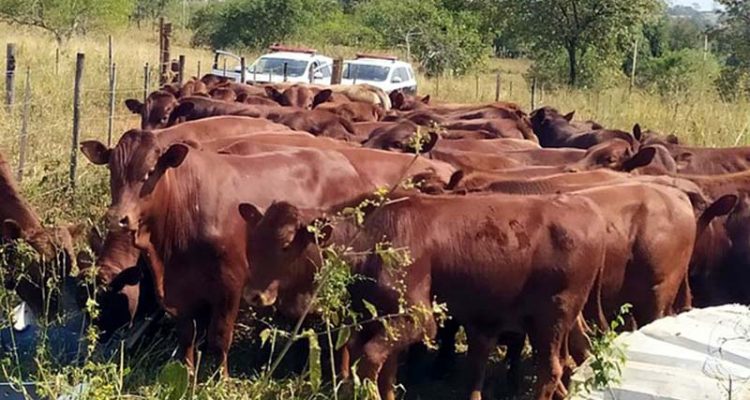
pixel 186 341
pixel 514 342
pixel 221 329
pixel 547 339
pixel 480 345
pixel 387 377
pixel 446 357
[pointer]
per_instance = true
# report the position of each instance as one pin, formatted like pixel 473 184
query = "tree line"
pixel 580 43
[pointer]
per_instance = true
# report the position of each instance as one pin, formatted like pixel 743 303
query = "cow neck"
pixel 176 213
pixel 12 205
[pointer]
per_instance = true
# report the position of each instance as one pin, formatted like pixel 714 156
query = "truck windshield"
pixel 366 72
pixel 275 66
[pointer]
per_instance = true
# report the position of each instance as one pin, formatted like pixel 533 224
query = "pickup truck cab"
pixel 281 64
pixel 384 72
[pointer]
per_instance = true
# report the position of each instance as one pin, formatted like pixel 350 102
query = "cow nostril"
pixel 124 222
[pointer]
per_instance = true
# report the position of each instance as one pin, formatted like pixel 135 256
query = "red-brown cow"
pixel 171 197
pixel 53 245
pixel 529 269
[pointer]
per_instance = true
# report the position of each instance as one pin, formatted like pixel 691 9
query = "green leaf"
pixel 344 334
pixel 370 308
pixel 174 377
pixel 314 368
pixel 264 335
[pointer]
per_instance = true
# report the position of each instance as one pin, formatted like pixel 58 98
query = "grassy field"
pixel 698 117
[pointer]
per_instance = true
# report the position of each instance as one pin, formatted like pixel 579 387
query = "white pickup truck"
pixel 281 64
pixel 384 72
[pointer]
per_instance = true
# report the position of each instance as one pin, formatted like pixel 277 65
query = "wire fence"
pixel 43 122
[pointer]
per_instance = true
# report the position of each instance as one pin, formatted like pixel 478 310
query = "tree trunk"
pixel 572 64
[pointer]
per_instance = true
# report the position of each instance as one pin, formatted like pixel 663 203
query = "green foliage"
pixel 678 72
pixel 600 29
pixel 64 18
pixel 255 24
pixel 607 356
pixel 439 39
pixel 734 40
pixel 175 377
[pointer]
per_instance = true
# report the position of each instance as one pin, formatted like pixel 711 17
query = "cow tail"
pixel 593 308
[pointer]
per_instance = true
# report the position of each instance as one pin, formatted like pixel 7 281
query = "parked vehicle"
pixel 384 72
pixel 281 64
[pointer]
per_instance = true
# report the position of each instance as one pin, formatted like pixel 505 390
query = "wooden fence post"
pixel 10 75
pixel 165 57
pixel 243 70
pixel 181 70
pixel 533 94
pixel 338 71
pixel 111 120
pixel 109 54
pixel 632 67
pixel 476 86
pixel 437 85
pixel 24 126
pixel 57 61
pixel 199 69
pixel 286 69
pixel 76 118
pixel 497 86
pixel 146 78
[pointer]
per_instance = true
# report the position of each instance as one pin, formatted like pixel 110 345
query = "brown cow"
pixel 709 161
pixel 317 122
pixel 171 197
pixel 54 247
pixel 299 96
pixel 539 247
pixel 555 130
pixel 355 111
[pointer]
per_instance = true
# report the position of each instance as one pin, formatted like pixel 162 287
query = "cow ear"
pixel 76 230
pixel 456 178
pixel 643 158
pixel 250 214
pixel 135 106
pixel 96 152
pixel 241 97
pixel 182 110
pixel 569 116
pixel 426 99
pixel 11 230
pixel 723 206
pixel 637 133
pixel 673 139
pixel 434 137
pixel 274 94
pixel 174 156
pixel 397 99
pixel 322 96
pixel 683 159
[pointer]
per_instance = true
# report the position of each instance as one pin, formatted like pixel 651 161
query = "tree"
pixel 255 23
pixel 578 27
pixel 735 42
pixel 149 9
pixel 64 18
pixel 440 38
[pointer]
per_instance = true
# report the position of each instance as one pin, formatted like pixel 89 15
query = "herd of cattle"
pixel 524 225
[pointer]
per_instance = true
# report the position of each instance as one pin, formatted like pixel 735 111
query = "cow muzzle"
pixel 258 298
pixel 123 221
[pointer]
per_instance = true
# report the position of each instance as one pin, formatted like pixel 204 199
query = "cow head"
pixel 51 259
pixel 615 154
pixel 136 165
pixel 224 93
pixel 157 112
pixel 399 138
pixel 403 102
pixel 299 96
pixel 281 255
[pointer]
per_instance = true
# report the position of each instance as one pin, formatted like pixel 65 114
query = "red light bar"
pixel 279 47
pixel 376 56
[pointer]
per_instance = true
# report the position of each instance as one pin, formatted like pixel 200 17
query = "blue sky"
pixel 702 4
